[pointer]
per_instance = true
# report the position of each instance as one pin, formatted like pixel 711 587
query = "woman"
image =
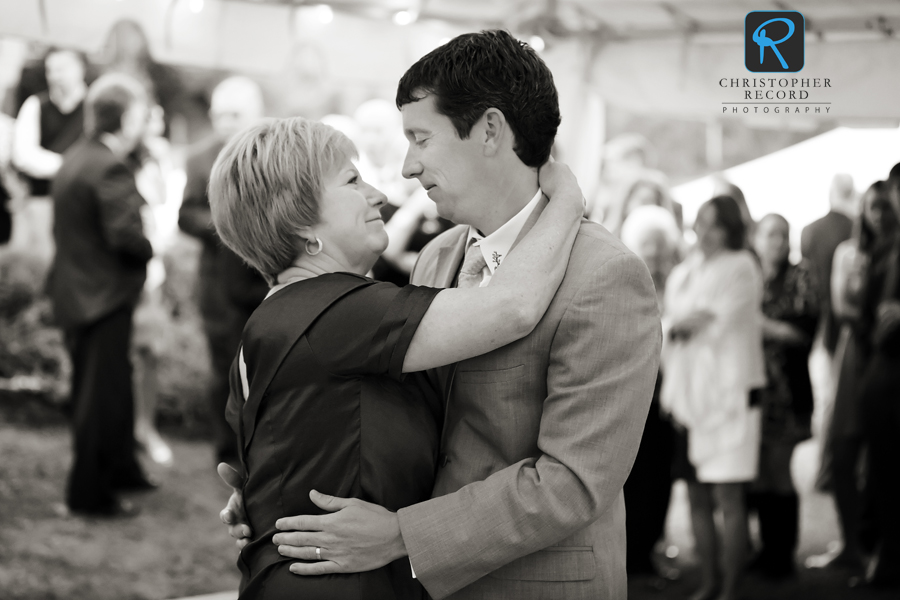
pixel 318 397
pixel 790 317
pixel 712 360
pixel 843 426
pixel 879 399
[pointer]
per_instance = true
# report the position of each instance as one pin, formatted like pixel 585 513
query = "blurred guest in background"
pixel 652 233
pixel 712 361
pixel 229 289
pixel 97 276
pixel 790 318
pixel 879 395
pixel 818 242
pixel 6 136
pixel 47 125
pixel 842 442
pixel 152 162
pixel 626 158
pixel 723 187
pixel 645 191
pixel 127 50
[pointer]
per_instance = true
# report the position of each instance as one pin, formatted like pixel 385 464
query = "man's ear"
pixel 495 131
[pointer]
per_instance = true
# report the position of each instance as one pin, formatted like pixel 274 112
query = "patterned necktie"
pixel 472 271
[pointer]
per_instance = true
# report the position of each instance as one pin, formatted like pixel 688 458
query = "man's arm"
pixel 194 216
pixel 120 214
pixel 603 366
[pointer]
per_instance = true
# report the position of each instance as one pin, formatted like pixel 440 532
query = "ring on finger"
pixel 318 553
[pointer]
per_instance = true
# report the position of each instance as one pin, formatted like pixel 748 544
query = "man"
pixel 47 125
pixel 97 276
pixel 818 241
pixel 229 290
pixel 539 436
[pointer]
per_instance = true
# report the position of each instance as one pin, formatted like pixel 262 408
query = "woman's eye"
pixel 354 180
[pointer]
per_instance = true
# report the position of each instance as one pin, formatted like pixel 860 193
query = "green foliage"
pixel 173 331
pixel 32 352
pixel 34 360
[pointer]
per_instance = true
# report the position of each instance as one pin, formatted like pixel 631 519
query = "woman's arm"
pixel 462 323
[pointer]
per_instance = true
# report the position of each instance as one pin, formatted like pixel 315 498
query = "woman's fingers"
pixel 239 532
pixel 230 476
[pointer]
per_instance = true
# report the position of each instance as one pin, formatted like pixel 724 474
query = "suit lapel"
pixel 448 261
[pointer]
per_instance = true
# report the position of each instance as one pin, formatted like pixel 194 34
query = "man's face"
pixel 64 71
pixel 449 168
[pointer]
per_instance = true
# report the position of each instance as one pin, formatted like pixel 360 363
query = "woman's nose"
pixel 376 197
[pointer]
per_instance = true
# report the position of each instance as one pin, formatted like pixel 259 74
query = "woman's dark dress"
pixel 329 409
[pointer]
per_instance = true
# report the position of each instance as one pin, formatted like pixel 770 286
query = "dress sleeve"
pixel 369 331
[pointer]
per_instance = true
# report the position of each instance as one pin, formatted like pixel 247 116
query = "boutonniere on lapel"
pixel 496 258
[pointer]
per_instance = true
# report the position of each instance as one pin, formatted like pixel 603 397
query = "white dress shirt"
pixel 496 246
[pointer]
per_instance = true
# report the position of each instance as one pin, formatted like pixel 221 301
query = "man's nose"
pixel 411 166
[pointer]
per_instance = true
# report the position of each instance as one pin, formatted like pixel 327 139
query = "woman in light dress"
pixel 713 360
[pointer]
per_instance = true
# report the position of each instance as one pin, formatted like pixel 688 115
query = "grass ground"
pixel 175 547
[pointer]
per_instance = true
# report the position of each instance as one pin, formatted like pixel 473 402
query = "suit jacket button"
pixel 443 459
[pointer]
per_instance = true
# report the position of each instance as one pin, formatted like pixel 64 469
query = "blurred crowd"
pixel 741 319
pixel 102 234
pixel 734 395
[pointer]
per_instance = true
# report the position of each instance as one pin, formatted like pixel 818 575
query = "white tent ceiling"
pixel 652 56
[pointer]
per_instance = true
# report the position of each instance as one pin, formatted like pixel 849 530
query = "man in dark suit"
pixel 229 289
pixel 97 276
pixel 817 244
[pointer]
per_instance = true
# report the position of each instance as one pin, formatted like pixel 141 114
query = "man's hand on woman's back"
pixel 233 514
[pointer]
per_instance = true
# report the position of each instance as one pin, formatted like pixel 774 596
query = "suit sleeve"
pixel 120 214
pixel 806 243
pixel 603 365
pixel 194 216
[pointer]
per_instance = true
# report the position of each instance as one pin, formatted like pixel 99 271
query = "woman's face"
pixel 711 236
pixel 879 212
pixel 772 240
pixel 350 224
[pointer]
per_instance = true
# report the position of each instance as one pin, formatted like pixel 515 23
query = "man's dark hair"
pixel 729 218
pixel 477 71
pixel 107 100
pixel 895 173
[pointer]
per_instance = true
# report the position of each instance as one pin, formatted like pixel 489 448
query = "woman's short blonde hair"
pixel 266 186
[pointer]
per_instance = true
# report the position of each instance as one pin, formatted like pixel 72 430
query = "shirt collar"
pixel 496 246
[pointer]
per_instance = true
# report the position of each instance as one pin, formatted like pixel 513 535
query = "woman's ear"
pixel 495 130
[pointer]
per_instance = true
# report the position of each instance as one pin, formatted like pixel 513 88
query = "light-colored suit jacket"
pixel 540 435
